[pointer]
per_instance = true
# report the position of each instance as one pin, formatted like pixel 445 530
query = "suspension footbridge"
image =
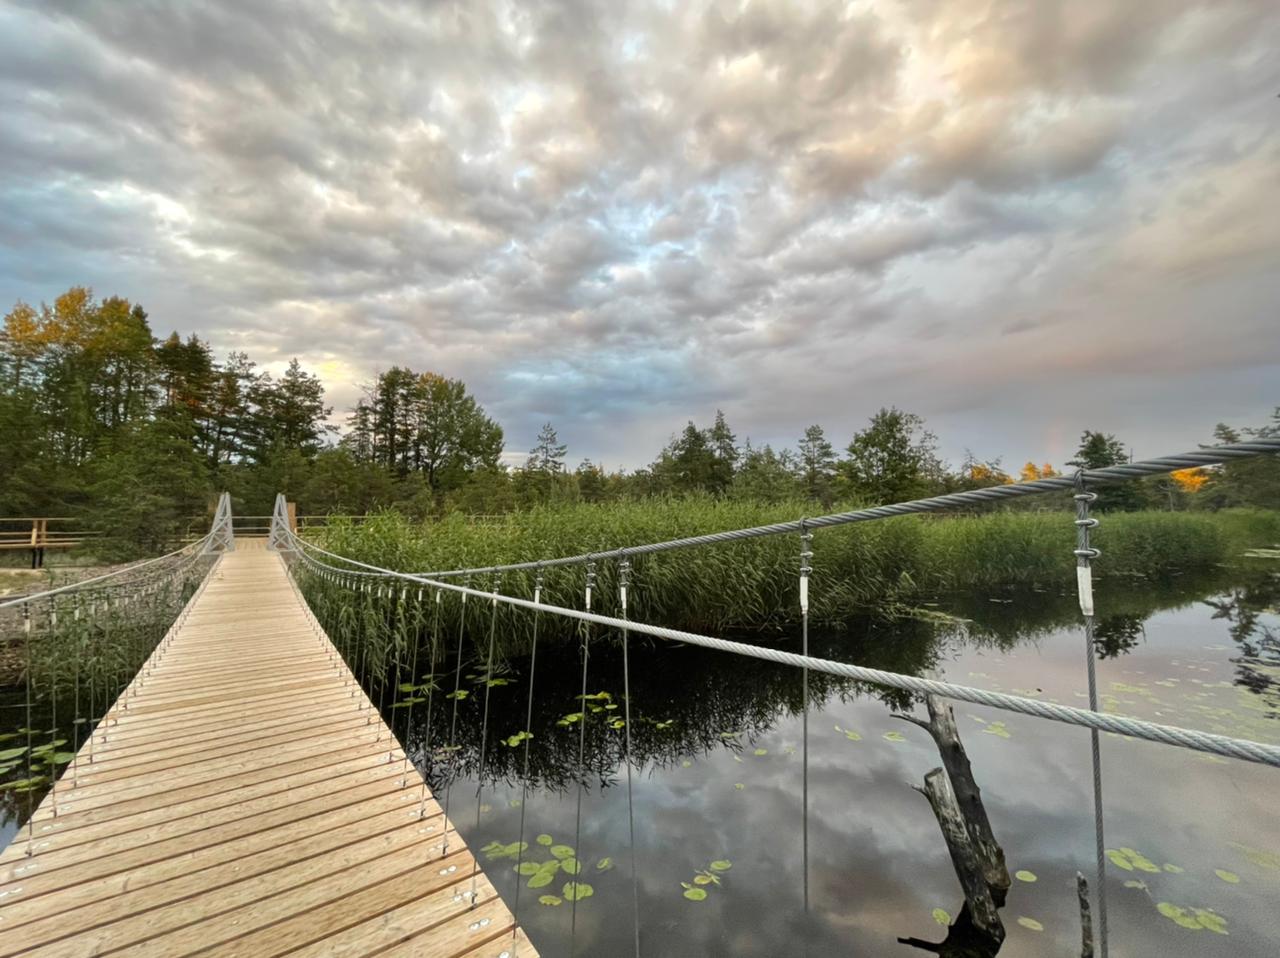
pixel 242 795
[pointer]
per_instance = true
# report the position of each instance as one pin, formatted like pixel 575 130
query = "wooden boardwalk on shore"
pixel 248 800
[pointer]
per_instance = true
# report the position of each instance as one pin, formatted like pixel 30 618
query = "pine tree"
pixel 817 465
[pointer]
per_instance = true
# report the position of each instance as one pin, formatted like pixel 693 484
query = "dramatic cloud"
pixel 1017 219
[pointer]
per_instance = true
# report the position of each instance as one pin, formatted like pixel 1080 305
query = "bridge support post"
pixel 222 536
pixel 281 526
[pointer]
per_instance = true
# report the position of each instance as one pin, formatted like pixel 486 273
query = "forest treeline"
pixel 102 420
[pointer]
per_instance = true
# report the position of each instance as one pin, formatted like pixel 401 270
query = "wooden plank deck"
pixel 248 800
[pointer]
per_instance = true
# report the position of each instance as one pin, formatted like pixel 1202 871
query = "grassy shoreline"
pixel 888 566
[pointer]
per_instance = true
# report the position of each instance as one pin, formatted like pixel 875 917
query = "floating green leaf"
pixel 514 740
pixel 571 866
pixel 576 891
pixel 1129 860
pixel 1257 856
pixel 1173 869
pixel 1135 883
pixel 1211 921
pixel 739 786
pixel 895 736
pixel 460 694
pixel 941 916
pixel 1179 915
pixel 762 751
pixel 604 864
pixel 1030 923
pixel 702 879
pixel 544 839
pixel 562 851
pixel 569 719
pixel 550 899
pixel 695 894
pixel 1231 878
pixel 721 865
pixel 542 879
pixel 12 753
pixel 998 729
pixel 1025 875
pixel 852 736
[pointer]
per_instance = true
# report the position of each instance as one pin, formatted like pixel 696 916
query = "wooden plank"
pixel 245 798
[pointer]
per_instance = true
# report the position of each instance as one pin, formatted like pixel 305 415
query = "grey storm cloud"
pixel 1017 219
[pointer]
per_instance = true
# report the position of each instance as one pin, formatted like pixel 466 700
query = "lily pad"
pixel 695 894
pixel 895 737
pixel 721 865
pixel 1131 860
pixel 762 751
pixel 542 879
pixel 1231 878
pixel 570 866
pixel 528 868
pixel 604 864
pixel 739 786
pixel 550 899
pixel 941 916
pixel 562 851
pixel 576 891
pixel 1025 875
pixel 544 839
pixel 1173 869
pixel 1030 923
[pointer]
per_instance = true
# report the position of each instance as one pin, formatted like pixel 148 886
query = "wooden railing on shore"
pixel 38 533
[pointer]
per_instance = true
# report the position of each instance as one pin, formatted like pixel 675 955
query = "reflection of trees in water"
pixel 1023 615
pixel 1118 634
pixel 1242 608
pixel 685 701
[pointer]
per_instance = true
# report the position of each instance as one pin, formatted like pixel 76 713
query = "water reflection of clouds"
pixel 878 865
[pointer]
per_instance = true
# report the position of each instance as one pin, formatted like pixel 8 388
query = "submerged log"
pixel 964 858
pixel 1086 919
pixel 963 940
pixel 941 726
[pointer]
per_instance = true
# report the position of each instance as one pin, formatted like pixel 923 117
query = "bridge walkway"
pixel 244 797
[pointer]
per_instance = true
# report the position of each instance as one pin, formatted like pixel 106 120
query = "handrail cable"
pixel 1210 456
pixel 1245 749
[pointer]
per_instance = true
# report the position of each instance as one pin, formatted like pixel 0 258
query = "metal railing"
pixel 361 576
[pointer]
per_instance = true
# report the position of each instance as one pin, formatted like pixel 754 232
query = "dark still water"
pixel 718 777
pixel 720 782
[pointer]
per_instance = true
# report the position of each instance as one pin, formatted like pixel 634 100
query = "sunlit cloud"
pixel 1018 220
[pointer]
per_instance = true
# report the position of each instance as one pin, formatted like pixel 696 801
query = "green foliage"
pixel 886 566
pixel 894 459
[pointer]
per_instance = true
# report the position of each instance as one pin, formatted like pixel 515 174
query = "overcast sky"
pixel 1017 219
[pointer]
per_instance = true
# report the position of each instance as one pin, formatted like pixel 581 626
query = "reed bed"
pixel 886 567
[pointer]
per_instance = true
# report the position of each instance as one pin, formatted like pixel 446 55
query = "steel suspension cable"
pixel 1085 554
pixel 524 777
pixel 624 581
pixel 806 554
pixel 1229 747
pixel 484 726
pixel 582 770
pixel 1210 456
pixel 452 747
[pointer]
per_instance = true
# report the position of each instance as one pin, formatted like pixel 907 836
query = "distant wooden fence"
pixel 38 533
